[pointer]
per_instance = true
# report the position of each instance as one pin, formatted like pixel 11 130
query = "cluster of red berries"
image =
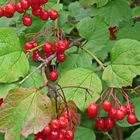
pixel 58 129
pixel 113 31
pixel 24 5
pixel 48 49
pixel 114 114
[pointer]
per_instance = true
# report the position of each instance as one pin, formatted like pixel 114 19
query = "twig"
pixel 39 67
pixel 44 74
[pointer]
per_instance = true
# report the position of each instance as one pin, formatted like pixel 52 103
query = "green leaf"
pixel 84 78
pixel 75 61
pixel 135 135
pixel 133 32
pixel 4 89
pixel 124 123
pixel 14 63
pixel 36 80
pixel 92 30
pixel 89 3
pixel 77 11
pixel 136 102
pixel 125 63
pixel 136 11
pixel 84 133
pixel 115 12
pixel 24 110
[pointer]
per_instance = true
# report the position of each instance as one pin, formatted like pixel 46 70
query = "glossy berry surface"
pixel 27 20
pixel 44 15
pixel 53 15
pixel 63 122
pixel 112 112
pixel 48 47
pixel 61 57
pixel 1 12
pixel 110 123
pixel 10 8
pixel 120 115
pixel 92 110
pixel 55 125
pixel 100 123
pixel 36 56
pixel 68 115
pixel 47 130
pixel 107 105
pixel 53 75
pixel 25 4
pixel 69 135
pixel 132 119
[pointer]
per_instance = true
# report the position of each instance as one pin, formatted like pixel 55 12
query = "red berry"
pixel 63 122
pixel 1 12
pixel 10 8
pixel 112 112
pixel 36 56
pixel 53 75
pixel 61 57
pixel 55 125
pixel 35 2
pixel 1 101
pixel 37 12
pixel 43 1
pixel 47 130
pixel 124 109
pixel 8 15
pixel 19 8
pixel 113 29
pixel 25 4
pixel 38 138
pixel 68 115
pixel 61 46
pixel 63 132
pixel 28 46
pixel 92 110
pixel 53 15
pixel 100 123
pixel 130 108
pixel 107 105
pixel 119 115
pixel 27 20
pixel 48 47
pixel 44 15
pixel 132 119
pixel 61 136
pixel 110 123
pixel 105 129
pixel 54 135
pixel 69 135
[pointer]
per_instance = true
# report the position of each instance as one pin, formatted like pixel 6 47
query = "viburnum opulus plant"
pixel 69 70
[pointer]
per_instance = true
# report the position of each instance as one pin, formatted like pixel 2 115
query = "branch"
pixel 39 67
pixel 77 42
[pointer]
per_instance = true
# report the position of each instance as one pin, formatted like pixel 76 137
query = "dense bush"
pixel 69 70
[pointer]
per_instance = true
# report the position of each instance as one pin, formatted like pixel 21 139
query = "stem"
pixel 34 49
pixel 109 136
pixel 39 67
pixel 94 56
pixel 44 75
pixel 56 22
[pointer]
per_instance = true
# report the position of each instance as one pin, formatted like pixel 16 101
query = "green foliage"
pixel 87 86
pixel 14 63
pixel 24 110
pixel 84 134
pixel 125 64
pixel 94 63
